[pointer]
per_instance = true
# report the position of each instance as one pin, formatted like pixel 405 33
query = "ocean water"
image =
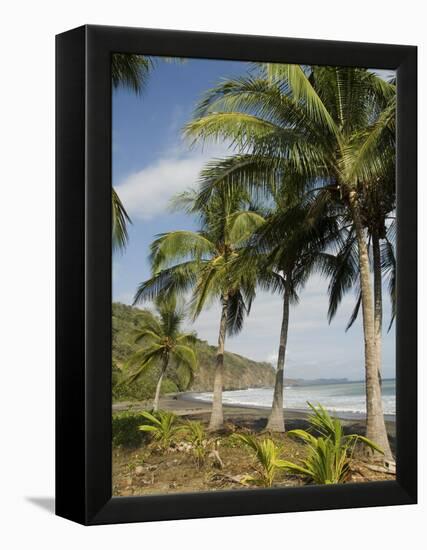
pixel 347 398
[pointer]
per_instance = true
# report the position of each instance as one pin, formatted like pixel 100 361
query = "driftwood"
pixel 388 467
pixel 240 479
pixel 217 459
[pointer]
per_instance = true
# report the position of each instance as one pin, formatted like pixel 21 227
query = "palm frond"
pixel 177 279
pixel 294 81
pixel 241 130
pixel 343 272
pixel 355 312
pixel 120 219
pixel 236 312
pixel 170 248
pixel 388 266
pixel 242 225
pixel 146 334
pixel 144 360
pixel 130 71
pixel 186 356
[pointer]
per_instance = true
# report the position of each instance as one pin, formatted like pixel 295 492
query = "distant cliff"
pixel 239 372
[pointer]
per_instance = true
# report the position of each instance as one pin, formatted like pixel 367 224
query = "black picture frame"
pixel 83 275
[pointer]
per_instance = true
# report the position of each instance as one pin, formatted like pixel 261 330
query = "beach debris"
pixel 214 454
pixel 239 479
pixel 184 447
pixel 389 467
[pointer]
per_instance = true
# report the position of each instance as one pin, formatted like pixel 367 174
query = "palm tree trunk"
pixel 217 417
pixel 375 425
pixel 159 384
pixel 378 300
pixel 276 420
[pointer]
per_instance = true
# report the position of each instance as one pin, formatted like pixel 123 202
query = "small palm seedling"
pixel 329 455
pixel 200 444
pixel 162 425
pixel 266 453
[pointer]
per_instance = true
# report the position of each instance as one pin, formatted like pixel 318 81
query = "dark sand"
pixel 184 404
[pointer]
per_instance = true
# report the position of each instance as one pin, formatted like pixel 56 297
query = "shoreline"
pixel 342 415
pixel 184 404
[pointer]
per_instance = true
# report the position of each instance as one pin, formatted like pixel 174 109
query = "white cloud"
pixel 146 193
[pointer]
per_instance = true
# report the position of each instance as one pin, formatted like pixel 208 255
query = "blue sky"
pixel 151 162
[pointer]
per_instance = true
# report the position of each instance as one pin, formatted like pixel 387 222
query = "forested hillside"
pixel 239 372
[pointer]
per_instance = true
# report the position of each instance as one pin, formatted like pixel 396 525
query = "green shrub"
pixel 329 455
pixel 126 431
pixel 161 425
pixel 266 454
pixel 201 445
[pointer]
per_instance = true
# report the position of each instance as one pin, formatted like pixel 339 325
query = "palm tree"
pixel 164 345
pixel 377 206
pixel 343 269
pixel 202 262
pixel 328 125
pixel 291 241
pixel 283 251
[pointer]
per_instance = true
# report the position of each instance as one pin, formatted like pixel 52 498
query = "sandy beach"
pixel 184 404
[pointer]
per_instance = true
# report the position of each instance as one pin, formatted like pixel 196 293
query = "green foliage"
pixel 161 343
pixel 239 372
pixel 266 453
pixel 162 426
pixel 325 128
pixel 202 261
pixel 126 431
pixel 142 389
pixel 329 454
pixel 120 219
pixel 130 71
pixel 200 444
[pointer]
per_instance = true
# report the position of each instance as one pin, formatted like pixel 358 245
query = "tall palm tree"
pixel 201 262
pixel 377 207
pixel 291 243
pixel 343 269
pixel 328 124
pixel 163 345
pixel 283 251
